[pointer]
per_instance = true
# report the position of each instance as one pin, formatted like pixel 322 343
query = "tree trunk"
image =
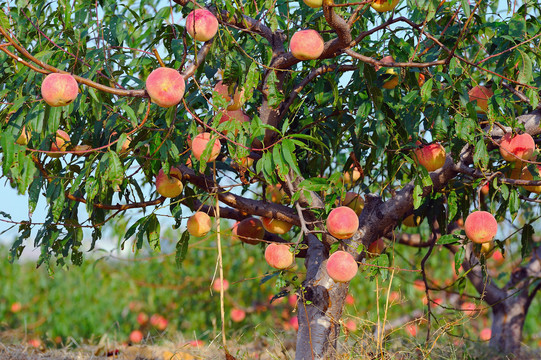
pixel 508 322
pixel 320 308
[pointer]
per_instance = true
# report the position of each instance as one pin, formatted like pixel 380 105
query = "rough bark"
pixel 320 307
pixel 508 321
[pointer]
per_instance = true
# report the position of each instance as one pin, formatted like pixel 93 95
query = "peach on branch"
pixel 526 174
pixel 350 300
pixel 59 89
pixel 199 145
pixel 485 334
pixel 275 193
pixel 480 96
pixel 518 147
pixel 275 226
pixel 249 231
pixel 201 24
pixel 234 100
pixel 354 201
pixel 342 222
pixel 60 143
pixel 376 247
pixel 352 175
pixel 279 256
pixel 170 185
pixel 341 266
pixel 165 86
pixel 306 45
pixel 199 224
pixel 350 325
pixel 481 227
pixel 384 5
pixel 484 249
pixel 431 156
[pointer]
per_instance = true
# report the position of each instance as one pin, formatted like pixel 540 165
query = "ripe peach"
pixel 165 86
pixel 217 285
pixel 432 156
pixel 341 266
pixel 234 115
pixel 59 89
pixel 142 318
pixel 526 174
pixel 376 247
pixel 275 226
pixel 200 143
pixel 342 222
pixel 350 300
pixel 306 45
pixel 199 224
pixel 249 231
pixel 158 321
pixel 485 334
pixel 480 95
pixel 169 186
pixel 384 5
pixel 201 24
pixel 390 79
pixel 350 325
pixel 498 257
pixel 481 227
pixel 235 102
pixel 237 315
pixel 419 285
pixel 294 322
pixel 279 256
pixel 468 308
pixel 60 143
pixel 292 300
pixel 485 189
pixel 354 201
pixel 81 150
pixel 36 343
pixel 16 307
pixel 313 3
pixel 196 343
pixel 412 329
pixel 136 336
pixel 518 147
pixel 421 79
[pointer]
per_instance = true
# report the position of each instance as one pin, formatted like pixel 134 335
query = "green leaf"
pixel 274 96
pixel 448 239
pixel 153 232
pixel 526 240
pixel 525 73
pixel 480 157
pixel 426 90
pixel 182 248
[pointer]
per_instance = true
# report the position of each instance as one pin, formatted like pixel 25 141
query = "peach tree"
pixel 283 110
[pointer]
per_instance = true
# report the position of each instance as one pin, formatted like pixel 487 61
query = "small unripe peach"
pixel 341 266
pixel 481 227
pixel 432 156
pixel 390 79
pixel 165 86
pixel 480 95
pixel 199 145
pixel 384 5
pixel 237 315
pixel 199 224
pixel 518 147
pixel 275 226
pixel 314 4
pixel 235 102
pixel 278 256
pixel 201 24
pixel 275 193
pixel 60 143
pixel 306 44
pixel 249 231
pixel 169 186
pixel 486 250
pixel 59 89
pixel 342 222
pixel 352 175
